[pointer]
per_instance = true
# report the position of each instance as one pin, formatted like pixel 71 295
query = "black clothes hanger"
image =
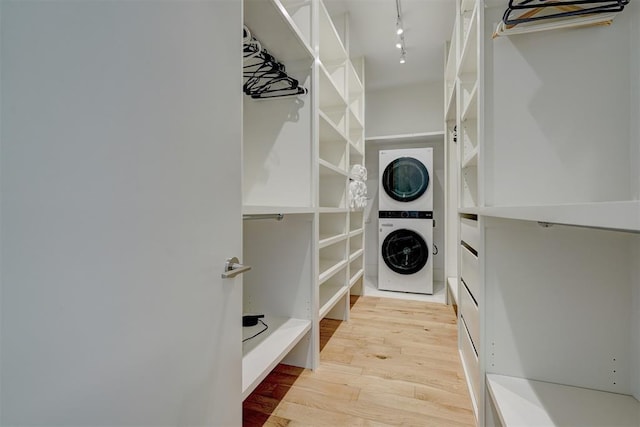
pixel 265 77
pixel 538 10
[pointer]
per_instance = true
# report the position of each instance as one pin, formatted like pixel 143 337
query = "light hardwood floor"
pixel 394 363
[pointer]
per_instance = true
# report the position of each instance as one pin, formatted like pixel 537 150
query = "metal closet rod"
pixel 252 217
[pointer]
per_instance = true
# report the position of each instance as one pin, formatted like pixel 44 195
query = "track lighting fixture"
pixel 400 32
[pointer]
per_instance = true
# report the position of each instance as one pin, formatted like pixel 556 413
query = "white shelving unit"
pixel 340 240
pixel 549 220
pixel 278 178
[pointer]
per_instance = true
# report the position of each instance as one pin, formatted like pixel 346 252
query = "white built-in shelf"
pixel 355 122
pixel 325 241
pixel 271 24
pixel 329 267
pixel 329 297
pixel 264 210
pixel 330 95
pixel 468 58
pixel 355 277
pixel 331 47
pixel 471 107
pixel 354 233
pixel 452 283
pixel 262 353
pixel 328 130
pixel 356 151
pixel 332 210
pixel 356 88
pixel 623 216
pixel 470 159
pixel 450 113
pixel 356 254
pixel 450 66
pixel 327 168
pixel 522 402
pixel 467 5
pixel 406 137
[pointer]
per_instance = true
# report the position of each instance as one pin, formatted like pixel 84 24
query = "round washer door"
pixel 405 179
pixel 405 251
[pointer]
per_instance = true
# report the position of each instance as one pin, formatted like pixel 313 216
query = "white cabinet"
pixel 551 168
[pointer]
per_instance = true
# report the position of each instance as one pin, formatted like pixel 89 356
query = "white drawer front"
pixel 469 311
pixel 470 360
pixel 470 232
pixel 470 271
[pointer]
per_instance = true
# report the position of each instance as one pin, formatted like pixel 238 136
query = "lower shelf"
pixel 262 353
pixel 329 297
pixel 355 276
pixel 521 402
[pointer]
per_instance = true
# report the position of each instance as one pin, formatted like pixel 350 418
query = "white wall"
pixel 635 320
pixel 405 109
pixel 371 212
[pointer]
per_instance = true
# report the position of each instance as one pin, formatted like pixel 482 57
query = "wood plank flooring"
pixel 394 363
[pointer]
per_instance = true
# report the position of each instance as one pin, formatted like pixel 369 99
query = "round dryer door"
pixel 405 251
pixel 405 179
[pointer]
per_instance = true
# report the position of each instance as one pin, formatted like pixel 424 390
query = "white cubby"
pixel 278 31
pixel 469 187
pixel 331 48
pixel 356 222
pixel 356 269
pixel 279 286
pixel 519 401
pixel 333 184
pixel 332 259
pixel 332 228
pixel 333 291
pixel 277 151
pixel 332 144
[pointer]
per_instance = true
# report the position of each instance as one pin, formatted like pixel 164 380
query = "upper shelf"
pixel 331 47
pixel 624 216
pixel 469 56
pixel 270 23
pixel 407 137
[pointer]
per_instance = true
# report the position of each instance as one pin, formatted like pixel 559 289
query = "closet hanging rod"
pixel 252 217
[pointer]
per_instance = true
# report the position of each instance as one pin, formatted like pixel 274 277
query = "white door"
pixel 120 178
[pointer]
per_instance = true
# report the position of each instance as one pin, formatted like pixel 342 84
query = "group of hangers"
pixel 528 15
pixel 265 77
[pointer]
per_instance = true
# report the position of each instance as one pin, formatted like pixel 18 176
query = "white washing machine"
pixel 405 262
pixel 406 180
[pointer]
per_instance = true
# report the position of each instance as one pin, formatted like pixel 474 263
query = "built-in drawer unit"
pixel 470 269
pixel 469 312
pixel 470 360
pixel 469 231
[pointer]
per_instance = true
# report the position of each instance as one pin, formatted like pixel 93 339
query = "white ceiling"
pixel 372 23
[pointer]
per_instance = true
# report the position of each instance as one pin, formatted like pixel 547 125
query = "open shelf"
pixel 328 169
pixel 469 102
pixel 329 267
pixel 519 401
pixel 330 95
pixel 330 47
pixel 407 137
pixel 470 158
pixel 356 232
pixel 263 210
pixel 329 296
pixel 287 44
pixel 450 111
pixel 262 353
pixel 468 58
pixel 355 276
pixel 325 241
pixel 624 216
pixel 356 254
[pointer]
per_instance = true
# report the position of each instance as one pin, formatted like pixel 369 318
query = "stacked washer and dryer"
pixel 405 220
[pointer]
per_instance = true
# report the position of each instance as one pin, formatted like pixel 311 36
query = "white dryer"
pixel 406 180
pixel 405 263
